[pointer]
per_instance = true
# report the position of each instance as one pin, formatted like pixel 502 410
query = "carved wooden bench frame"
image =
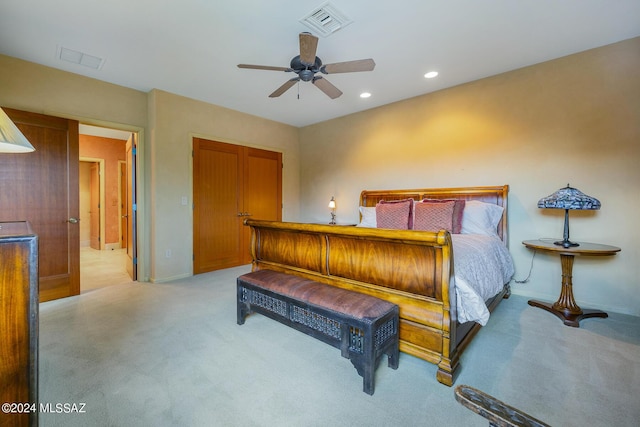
pixel 361 340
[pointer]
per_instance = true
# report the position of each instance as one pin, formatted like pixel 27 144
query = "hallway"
pixel 102 268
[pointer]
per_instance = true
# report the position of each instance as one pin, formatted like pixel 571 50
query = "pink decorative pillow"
pixel 458 210
pixel 395 214
pixel 434 216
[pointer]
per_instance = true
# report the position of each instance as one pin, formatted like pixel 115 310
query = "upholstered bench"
pixel 363 327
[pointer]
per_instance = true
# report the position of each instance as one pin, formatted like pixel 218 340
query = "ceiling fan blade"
pixel 282 89
pixel 264 67
pixel 308 47
pixel 349 66
pixel 330 90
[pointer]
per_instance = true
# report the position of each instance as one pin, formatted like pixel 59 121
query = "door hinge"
pixel 135 261
pixel 134 207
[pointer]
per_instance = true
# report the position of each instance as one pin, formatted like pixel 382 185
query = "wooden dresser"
pixel 18 324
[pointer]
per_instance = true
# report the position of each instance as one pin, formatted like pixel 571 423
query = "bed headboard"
pixel 496 195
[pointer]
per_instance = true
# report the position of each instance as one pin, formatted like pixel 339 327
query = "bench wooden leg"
pixel 368 379
pixel 366 370
pixel 365 356
pixel 242 306
pixel 394 357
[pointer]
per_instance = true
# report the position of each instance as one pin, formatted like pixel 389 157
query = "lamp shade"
pixel 332 206
pixel 569 198
pixel 11 139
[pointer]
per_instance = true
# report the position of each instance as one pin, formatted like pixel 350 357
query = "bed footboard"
pixel 409 268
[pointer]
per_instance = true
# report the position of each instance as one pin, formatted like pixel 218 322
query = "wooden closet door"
pixel 217 186
pixel 262 190
pixel 230 183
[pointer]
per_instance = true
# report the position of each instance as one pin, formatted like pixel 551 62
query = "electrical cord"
pixel 526 279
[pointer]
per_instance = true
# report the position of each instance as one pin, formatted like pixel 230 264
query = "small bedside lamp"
pixel 568 198
pixel 332 206
pixel 11 139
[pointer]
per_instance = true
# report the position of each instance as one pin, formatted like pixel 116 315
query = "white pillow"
pixel 368 217
pixel 481 218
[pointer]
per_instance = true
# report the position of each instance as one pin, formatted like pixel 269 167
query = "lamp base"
pixel 566 243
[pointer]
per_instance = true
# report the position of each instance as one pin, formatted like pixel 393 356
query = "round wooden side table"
pixel 566 308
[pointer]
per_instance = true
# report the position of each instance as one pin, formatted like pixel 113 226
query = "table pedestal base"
pixel 566 308
pixel 568 318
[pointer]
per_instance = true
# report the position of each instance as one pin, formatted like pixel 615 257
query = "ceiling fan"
pixel 307 65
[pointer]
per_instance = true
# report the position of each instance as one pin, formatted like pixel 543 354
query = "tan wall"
pixel 573 120
pixel 167 123
pixel 112 151
pixel 174 121
pixel 32 87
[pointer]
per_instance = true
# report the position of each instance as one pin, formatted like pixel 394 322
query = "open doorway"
pixel 106 240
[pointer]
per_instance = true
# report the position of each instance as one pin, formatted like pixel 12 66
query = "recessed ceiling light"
pixel 431 74
pixel 365 95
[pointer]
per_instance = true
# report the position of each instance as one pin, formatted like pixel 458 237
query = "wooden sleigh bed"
pixel 413 269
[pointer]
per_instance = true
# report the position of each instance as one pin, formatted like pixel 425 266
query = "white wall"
pixel 573 120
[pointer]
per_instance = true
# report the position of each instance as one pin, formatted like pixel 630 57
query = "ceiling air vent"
pixel 80 58
pixel 325 20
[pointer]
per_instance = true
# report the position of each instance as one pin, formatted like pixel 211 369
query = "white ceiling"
pixel 192 47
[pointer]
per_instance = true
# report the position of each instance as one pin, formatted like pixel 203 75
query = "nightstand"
pixel 566 308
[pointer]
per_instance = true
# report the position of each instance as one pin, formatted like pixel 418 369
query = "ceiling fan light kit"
pixel 307 65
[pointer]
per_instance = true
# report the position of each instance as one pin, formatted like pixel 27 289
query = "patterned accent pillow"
pixel 395 214
pixel 458 211
pixel 434 216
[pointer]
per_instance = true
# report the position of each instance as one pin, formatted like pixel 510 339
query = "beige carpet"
pixel 141 354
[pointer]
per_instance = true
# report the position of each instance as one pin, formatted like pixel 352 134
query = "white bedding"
pixel 482 265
